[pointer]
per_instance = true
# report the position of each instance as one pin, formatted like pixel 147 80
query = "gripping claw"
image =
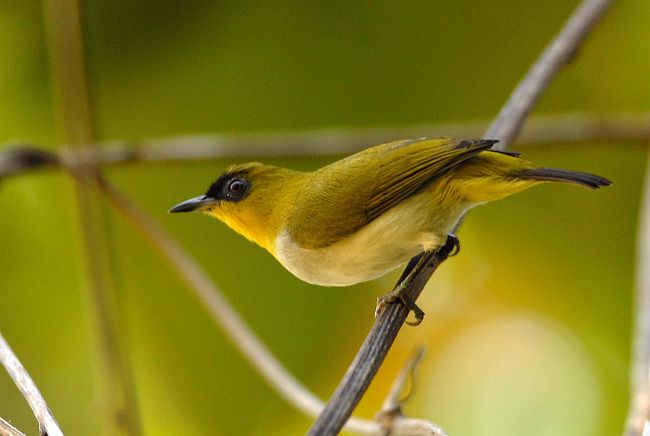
pixel 395 295
pixel 451 247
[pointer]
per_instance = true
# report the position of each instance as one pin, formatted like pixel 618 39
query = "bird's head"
pixel 247 197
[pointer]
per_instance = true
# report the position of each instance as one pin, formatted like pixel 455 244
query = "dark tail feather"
pixel 555 175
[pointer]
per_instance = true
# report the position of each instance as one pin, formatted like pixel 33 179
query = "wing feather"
pixel 415 165
pixel 345 196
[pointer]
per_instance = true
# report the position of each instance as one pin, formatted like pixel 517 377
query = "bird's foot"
pixel 451 247
pixel 398 294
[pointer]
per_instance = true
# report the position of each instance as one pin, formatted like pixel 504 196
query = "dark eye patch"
pixel 229 187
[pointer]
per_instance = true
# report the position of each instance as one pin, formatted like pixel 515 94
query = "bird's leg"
pixel 451 248
pixel 413 267
pixel 409 268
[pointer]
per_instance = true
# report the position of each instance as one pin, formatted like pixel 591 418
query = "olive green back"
pixel 348 194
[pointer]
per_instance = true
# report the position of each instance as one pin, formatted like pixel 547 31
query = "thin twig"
pixel 394 399
pixel 570 127
pixel 64 37
pixel 46 421
pixel 639 413
pixel 17 158
pixel 415 427
pixel 391 415
pixel 383 332
pixel 6 429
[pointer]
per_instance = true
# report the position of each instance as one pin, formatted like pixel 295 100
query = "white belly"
pixel 376 249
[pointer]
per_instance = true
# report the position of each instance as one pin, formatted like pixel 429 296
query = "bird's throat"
pixel 247 222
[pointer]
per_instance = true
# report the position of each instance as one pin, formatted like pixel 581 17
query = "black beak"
pixel 193 204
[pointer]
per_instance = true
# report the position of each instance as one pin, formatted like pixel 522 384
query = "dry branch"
pixel 17 158
pixel 46 421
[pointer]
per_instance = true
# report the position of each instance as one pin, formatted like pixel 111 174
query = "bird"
pixel 362 216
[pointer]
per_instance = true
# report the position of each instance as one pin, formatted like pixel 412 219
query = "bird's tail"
pixel 491 176
pixel 557 175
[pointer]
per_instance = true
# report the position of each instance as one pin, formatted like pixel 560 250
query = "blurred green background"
pixel 527 330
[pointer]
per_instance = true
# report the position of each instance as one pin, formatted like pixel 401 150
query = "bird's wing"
pixel 406 168
pixel 348 194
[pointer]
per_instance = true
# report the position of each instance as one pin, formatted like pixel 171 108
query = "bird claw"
pixel 395 295
pixel 451 247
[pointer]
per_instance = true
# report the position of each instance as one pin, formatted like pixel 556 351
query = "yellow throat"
pixel 258 217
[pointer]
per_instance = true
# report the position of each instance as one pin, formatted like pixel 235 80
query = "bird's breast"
pixel 377 248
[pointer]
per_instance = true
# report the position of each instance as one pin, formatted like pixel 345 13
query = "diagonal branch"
pixel 6 429
pixel 223 313
pixel 383 332
pixel 562 49
pixel 46 421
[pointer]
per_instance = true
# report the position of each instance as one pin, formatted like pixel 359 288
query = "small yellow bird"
pixel 362 216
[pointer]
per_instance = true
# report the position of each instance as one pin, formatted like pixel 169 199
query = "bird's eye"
pixel 236 186
pixel 229 187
